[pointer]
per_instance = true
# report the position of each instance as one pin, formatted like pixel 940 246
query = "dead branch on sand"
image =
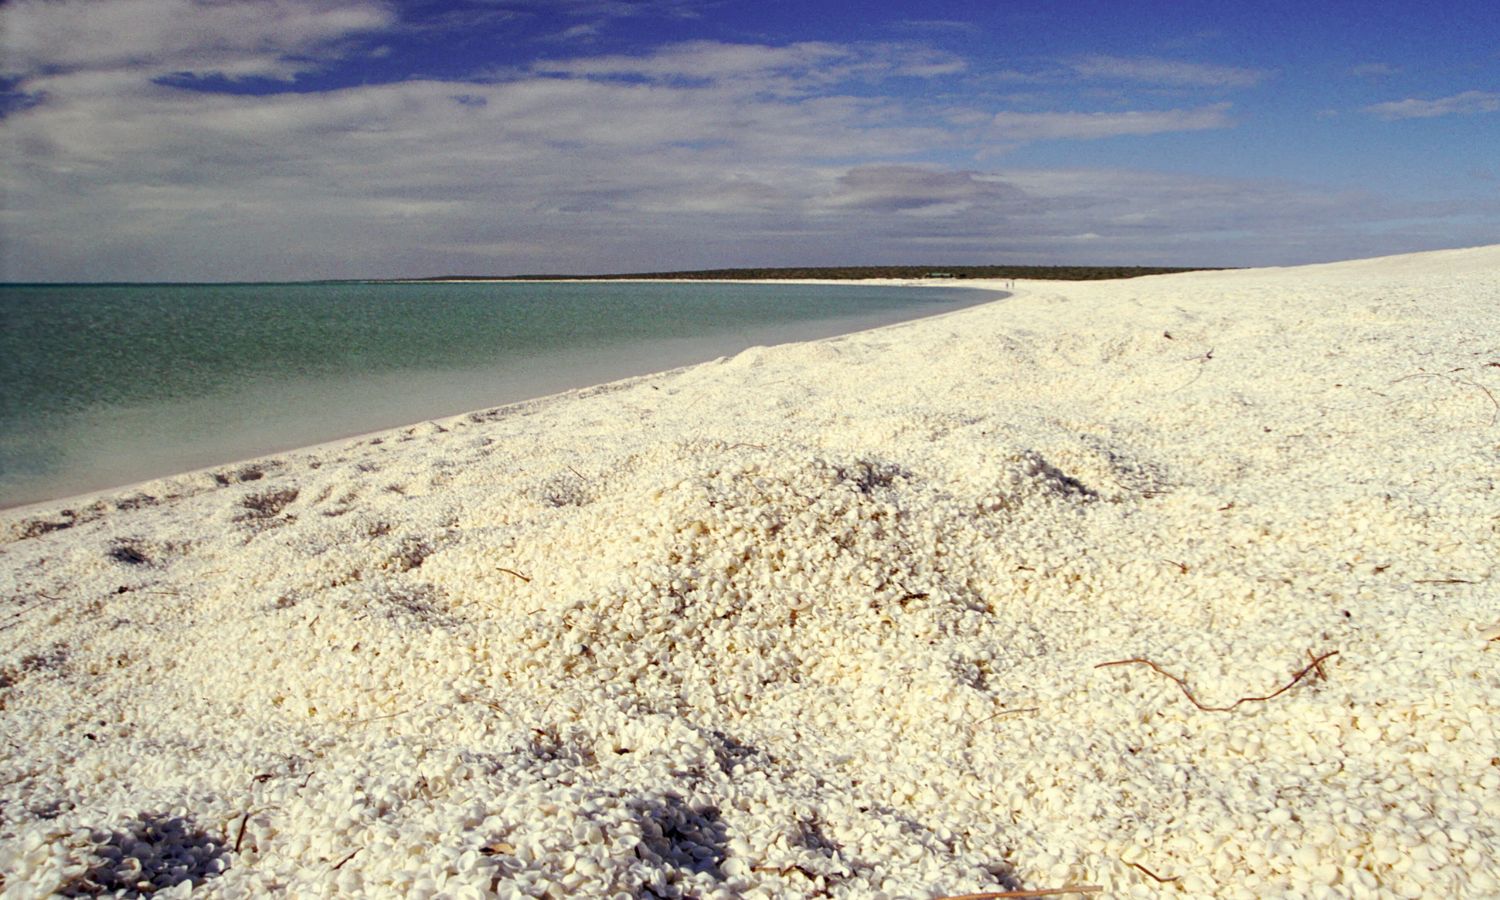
pixel 1155 877
pixel 1315 665
pixel 1494 416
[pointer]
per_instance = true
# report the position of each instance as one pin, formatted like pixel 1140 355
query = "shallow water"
pixel 105 385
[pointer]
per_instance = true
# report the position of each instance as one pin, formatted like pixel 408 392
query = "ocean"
pixel 106 385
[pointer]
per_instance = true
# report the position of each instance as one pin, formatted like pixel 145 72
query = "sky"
pixel 222 140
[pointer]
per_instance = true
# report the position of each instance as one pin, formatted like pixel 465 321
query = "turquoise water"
pixel 105 385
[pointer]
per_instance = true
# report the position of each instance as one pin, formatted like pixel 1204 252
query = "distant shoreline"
pixel 853 273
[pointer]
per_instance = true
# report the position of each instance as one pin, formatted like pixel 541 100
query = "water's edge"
pixel 570 372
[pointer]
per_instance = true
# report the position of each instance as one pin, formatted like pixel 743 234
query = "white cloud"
pixel 581 32
pixel 1018 126
pixel 749 68
pixel 159 37
pixel 1168 72
pixel 706 61
pixel 1466 104
pixel 122 177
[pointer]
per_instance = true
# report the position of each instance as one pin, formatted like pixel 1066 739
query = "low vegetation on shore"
pixel 1051 273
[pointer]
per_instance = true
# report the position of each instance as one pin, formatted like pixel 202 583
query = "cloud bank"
pixel 1096 125
pixel 1467 103
pixel 171 139
pixel 269 38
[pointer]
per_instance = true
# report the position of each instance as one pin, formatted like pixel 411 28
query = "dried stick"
pixel 11 619
pixel 1315 664
pixel 1496 403
pixel 515 573
pixel 1494 416
pixel 15 617
pixel 262 778
pixel 1318 664
pixel 393 715
pixel 1048 892
pixel 241 838
pixel 1157 878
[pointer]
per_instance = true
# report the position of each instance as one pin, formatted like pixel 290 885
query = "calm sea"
pixel 104 385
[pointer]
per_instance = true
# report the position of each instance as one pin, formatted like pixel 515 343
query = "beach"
pixel 1178 585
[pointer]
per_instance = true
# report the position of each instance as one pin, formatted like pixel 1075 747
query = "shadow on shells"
pixel 147 855
pixel 688 837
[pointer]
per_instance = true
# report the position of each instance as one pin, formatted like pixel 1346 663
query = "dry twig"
pixel 515 573
pixel 1200 359
pixel 15 617
pixel 17 614
pixel 262 778
pixel 241 838
pixel 1154 876
pixel 1316 664
pixel 1494 416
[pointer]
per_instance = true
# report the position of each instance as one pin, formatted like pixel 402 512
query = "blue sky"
pixel 272 139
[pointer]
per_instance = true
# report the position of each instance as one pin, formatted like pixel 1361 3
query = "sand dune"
pixel 825 618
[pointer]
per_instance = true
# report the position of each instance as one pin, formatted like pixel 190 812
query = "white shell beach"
pixel 822 619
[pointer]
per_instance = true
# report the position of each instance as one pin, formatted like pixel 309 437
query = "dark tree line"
pixel 1053 273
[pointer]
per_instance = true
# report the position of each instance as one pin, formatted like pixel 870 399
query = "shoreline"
pixel 898 612
pixel 97 494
